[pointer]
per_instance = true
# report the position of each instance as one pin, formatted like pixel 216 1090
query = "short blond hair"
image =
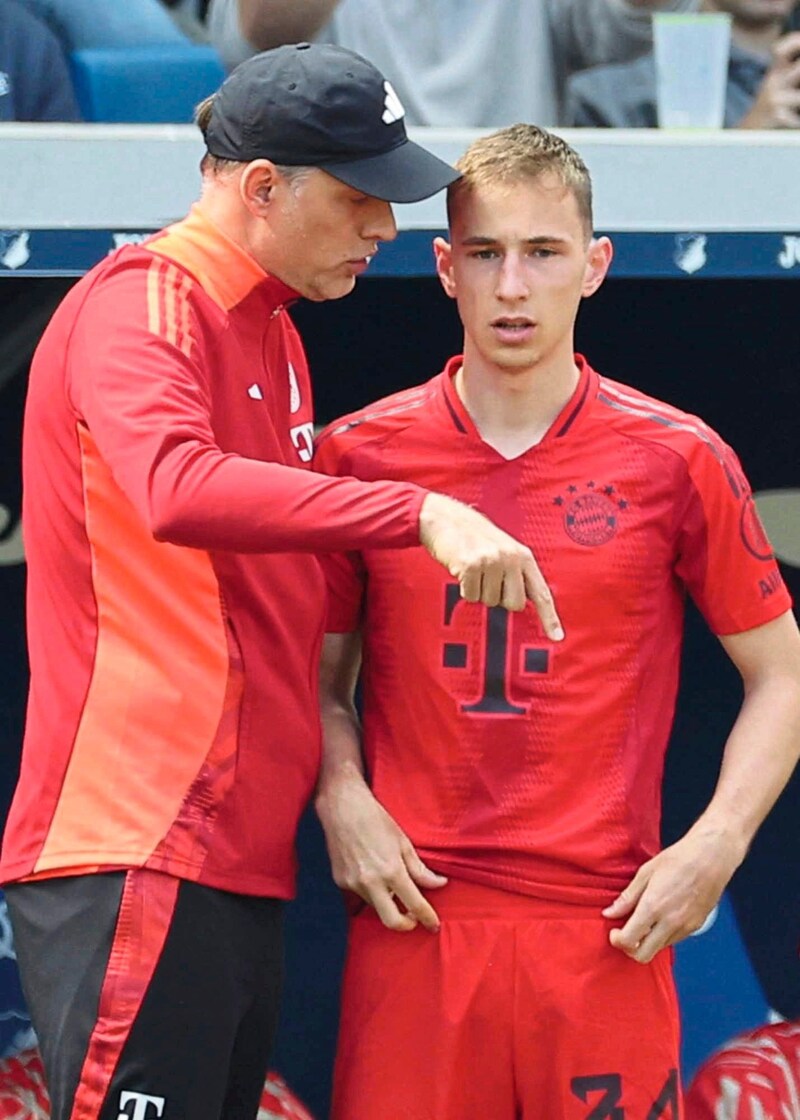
pixel 518 153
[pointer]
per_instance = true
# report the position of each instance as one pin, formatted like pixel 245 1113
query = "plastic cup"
pixel 691 53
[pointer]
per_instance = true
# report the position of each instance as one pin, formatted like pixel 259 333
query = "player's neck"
pixel 514 411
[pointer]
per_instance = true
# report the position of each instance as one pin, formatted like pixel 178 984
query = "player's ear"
pixel 598 262
pixel 257 184
pixel 443 252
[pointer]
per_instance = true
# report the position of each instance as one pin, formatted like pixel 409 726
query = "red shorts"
pixel 518 1009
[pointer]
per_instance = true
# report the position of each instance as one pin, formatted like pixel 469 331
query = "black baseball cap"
pixel 318 105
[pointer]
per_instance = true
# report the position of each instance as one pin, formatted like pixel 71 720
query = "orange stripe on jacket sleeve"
pixel 171 279
pixel 153 296
pixel 168 316
pixel 184 339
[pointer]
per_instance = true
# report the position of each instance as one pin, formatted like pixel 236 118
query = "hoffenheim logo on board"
pixel 690 252
pixel 15 248
pixel 120 239
pixel 392 107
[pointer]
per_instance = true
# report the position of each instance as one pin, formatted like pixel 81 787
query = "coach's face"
pixel 518 263
pixel 318 235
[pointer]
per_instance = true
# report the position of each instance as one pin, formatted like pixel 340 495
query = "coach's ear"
pixel 257 185
pixel 443 252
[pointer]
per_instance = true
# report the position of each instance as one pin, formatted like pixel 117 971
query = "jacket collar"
pixel 221 266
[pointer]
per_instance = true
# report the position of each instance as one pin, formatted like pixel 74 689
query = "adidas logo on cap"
pixel 393 107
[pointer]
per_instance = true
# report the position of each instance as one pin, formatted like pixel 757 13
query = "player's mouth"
pixel 513 329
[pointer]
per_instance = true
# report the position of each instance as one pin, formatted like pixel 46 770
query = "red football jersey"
pixel 508 759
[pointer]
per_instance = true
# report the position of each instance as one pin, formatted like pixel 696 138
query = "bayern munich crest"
pixel 591 513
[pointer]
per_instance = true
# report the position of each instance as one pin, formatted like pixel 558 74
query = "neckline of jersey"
pixel 565 422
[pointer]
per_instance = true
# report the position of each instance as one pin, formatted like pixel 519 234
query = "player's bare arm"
pixel 370 855
pixel 672 894
pixel 491 567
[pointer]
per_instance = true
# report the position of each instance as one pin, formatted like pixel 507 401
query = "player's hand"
pixel 671 895
pixel 777 104
pixel 490 566
pixel 372 856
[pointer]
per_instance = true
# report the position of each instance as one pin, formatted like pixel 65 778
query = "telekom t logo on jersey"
pixel 302 436
pixel 496 671
pixel 145 1107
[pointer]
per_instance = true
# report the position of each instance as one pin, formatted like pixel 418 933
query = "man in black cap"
pixel 175 602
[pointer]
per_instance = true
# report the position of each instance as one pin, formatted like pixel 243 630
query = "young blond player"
pixel 509 781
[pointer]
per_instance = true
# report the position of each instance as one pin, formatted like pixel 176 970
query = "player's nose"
pixel 512 282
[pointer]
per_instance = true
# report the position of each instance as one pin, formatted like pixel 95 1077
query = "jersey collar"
pixel 566 421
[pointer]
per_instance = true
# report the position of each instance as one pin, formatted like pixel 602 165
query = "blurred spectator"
pixel 23 1094
pixel 190 16
pixel 763 75
pixel 454 62
pixel 107 23
pixel 34 81
pixel 755 1076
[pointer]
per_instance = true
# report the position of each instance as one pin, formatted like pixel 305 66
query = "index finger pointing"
pixel 539 594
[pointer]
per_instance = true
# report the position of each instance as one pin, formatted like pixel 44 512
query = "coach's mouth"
pixel 359 265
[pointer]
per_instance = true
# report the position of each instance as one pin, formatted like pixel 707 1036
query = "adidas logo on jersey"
pixel 392 107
